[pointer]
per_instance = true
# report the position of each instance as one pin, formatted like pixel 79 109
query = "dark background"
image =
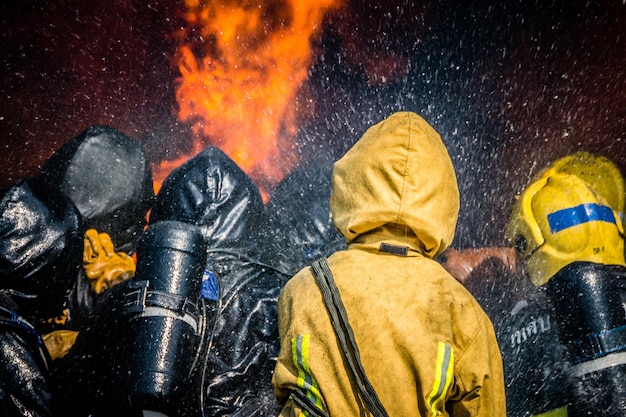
pixel 509 86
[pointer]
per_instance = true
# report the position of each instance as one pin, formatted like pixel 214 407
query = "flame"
pixel 241 64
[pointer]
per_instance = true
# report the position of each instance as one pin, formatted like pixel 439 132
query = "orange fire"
pixel 241 64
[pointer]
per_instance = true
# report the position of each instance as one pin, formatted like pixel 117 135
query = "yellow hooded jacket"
pixel 426 345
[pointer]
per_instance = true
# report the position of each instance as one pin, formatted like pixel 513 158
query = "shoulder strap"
pixel 339 319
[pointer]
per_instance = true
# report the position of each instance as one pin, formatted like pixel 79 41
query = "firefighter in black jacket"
pixel 217 354
pixel 41 242
pixel 213 193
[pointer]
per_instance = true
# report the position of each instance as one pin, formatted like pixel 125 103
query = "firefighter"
pixel 567 230
pixel 424 345
pixel 179 339
pixel 40 256
pixel 537 365
pixel 107 176
pixel 211 192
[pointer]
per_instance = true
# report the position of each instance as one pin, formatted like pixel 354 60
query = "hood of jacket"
pixel 107 176
pixel 212 192
pixel 397 184
pixel 297 226
pixel 41 247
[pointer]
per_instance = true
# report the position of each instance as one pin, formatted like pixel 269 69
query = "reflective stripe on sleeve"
pixel 443 377
pixel 306 381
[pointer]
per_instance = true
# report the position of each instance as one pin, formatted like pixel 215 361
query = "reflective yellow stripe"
pixel 443 377
pixel 300 352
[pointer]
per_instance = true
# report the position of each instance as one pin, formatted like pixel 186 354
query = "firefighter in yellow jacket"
pixel 424 343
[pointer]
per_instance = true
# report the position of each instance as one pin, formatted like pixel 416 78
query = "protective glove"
pixel 59 342
pixel 103 266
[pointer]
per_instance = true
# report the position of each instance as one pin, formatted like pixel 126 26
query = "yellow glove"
pixel 60 319
pixel 103 266
pixel 59 342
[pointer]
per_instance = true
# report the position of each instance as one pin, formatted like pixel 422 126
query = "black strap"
pixel 339 319
pixel 138 296
pixel 306 404
pixel 597 345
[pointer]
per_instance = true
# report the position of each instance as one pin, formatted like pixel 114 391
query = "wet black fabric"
pixel 41 245
pixel 40 254
pixel 297 226
pixel 213 193
pixel 24 389
pixel 536 367
pixel 81 380
pixel 107 176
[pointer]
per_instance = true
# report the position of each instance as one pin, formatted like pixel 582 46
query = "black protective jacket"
pixel 213 193
pixel 24 389
pixel 536 366
pixel 40 253
pixel 107 176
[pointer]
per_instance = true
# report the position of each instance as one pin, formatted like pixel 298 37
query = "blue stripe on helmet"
pixel 584 213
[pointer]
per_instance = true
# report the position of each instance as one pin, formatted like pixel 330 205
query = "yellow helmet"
pixel 560 219
pixel 602 175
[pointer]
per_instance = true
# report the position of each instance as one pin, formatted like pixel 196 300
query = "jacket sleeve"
pixel 295 386
pixel 24 389
pixel 285 374
pixel 480 377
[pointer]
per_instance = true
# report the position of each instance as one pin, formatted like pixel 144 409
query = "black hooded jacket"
pixel 213 193
pixel 40 254
pixel 107 176
pixel 297 226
